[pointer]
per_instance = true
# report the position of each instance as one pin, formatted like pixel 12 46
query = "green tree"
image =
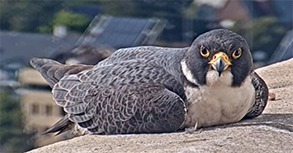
pixel 190 11
pixel 74 21
pixel 146 8
pixel 13 138
pixel 28 15
pixel 41 15
pixel 267 34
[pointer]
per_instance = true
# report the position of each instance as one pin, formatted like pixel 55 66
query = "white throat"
pixel 217 102
pixel 212 76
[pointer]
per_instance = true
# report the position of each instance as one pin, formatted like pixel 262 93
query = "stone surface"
pixel 271 132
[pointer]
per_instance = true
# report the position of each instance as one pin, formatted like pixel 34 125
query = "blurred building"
pixel 120 32
pixel 87 54
pixel 39 109
pixel 18 48
pixel 99 41
pixel 246 10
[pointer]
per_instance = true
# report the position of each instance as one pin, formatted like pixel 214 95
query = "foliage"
pixel 28 15
pixel 12 136
pixel 265 34
pixel 42 15
pixel 74 21
pixel 190 11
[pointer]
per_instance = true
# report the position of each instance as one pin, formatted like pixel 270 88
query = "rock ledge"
pixel 270 132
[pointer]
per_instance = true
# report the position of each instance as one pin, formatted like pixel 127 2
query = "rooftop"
pixel 17 47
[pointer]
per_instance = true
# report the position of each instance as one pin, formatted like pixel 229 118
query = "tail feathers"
pixel 53 71
pixel 45 66
pixel 61 126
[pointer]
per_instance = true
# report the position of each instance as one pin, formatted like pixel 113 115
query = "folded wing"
pixel 133 96
pixel 261 96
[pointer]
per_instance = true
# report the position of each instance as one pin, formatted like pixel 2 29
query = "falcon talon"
pixel 190 130
pixel 193 129
pixel 155 89
pixel 272 96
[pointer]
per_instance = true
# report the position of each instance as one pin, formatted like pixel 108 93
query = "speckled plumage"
pixel 135 90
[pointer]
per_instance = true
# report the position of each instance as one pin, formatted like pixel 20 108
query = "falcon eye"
pixel 204 51
pixel 237 53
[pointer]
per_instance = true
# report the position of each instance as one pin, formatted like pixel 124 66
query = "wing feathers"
pixel 116 98
pixel 261 96
pixel 146 109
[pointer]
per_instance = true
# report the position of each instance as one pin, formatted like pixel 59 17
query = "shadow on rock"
pixel 280 121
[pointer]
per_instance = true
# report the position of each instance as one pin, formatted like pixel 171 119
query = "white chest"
pixel 218 103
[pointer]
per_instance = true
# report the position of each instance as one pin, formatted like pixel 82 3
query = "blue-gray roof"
pixel 17 47
pixel 120 32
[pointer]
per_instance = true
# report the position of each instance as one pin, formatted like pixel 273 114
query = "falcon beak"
pixel 220 62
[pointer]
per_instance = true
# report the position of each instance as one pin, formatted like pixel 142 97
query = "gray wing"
pixel 167 58
pixel 144 52
pixel 128 97
pixel 261 96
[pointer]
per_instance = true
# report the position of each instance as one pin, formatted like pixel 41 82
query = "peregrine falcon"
pixel 155 89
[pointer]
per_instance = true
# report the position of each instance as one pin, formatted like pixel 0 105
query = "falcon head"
pixel 218 56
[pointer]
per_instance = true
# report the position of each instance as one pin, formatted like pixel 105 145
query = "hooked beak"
pixel 220 62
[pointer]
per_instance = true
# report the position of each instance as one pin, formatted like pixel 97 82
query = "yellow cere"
pixel 222 55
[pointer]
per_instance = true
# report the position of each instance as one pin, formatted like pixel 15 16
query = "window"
pixel 49 110
pixel 35 109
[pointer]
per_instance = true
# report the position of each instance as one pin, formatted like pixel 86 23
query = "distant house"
pixel 233 10
pixel 103 35
pixel 35 96
pixel 39 109
pixel 248 10
pixel 18 48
